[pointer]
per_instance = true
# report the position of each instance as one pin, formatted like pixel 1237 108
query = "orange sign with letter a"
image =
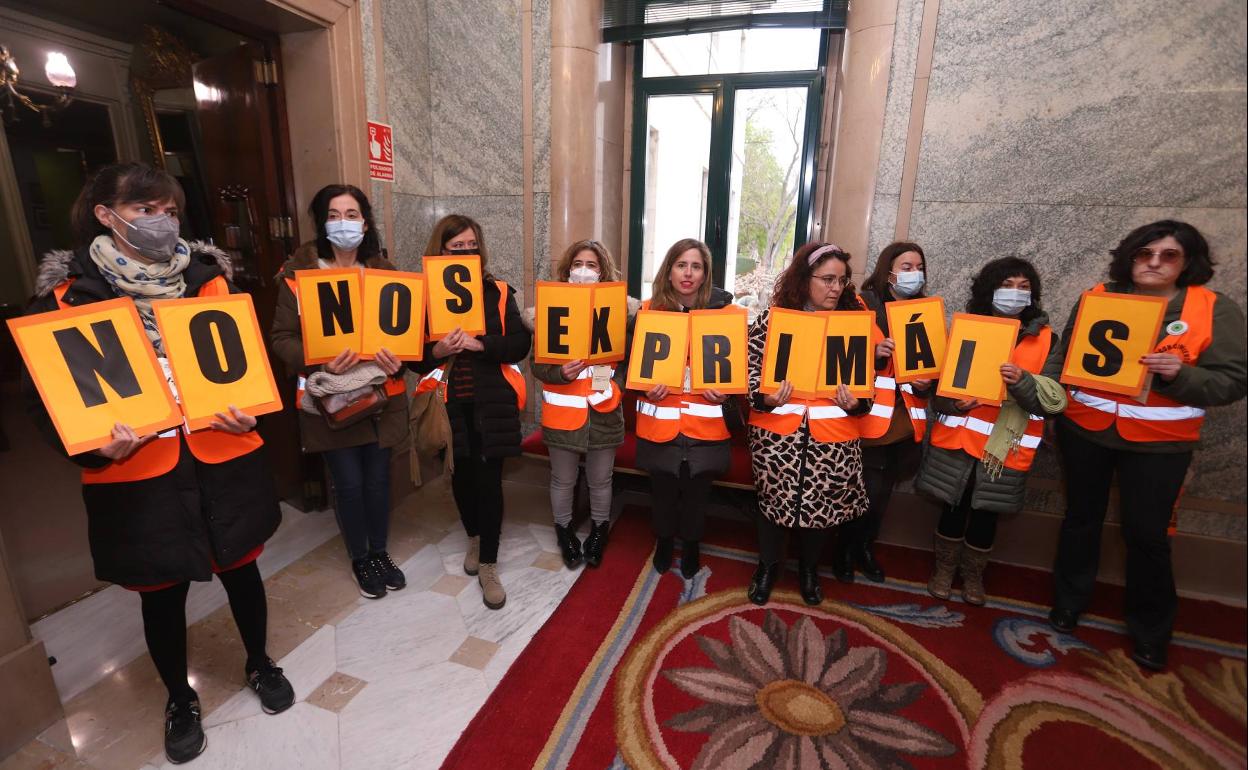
pixel 1111 333
pixel 917 327
pixel 609 336
pixel 394 314
pixel 794 351
pixel 217 357
pixel 978 345
pixel 718 348
pixel 94 367
pixel 456 295
pixel 660 349
pixel 848 354
pixel 331 312
pixel 563 321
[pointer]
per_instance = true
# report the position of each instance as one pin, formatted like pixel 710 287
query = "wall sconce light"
pixel 60 75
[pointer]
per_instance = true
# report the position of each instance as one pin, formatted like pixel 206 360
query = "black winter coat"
pixel 177 526
pixel 495 416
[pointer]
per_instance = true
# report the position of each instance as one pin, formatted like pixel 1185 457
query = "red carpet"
pixel 636 670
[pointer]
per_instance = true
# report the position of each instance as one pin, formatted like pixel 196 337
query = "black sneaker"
pixel 391 575
pixel 276 694
pixel 368 576
pixel 184 732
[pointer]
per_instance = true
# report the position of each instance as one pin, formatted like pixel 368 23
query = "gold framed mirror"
pixel 162 77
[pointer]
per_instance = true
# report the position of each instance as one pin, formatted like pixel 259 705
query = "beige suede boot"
pixel 973 562
pixel 947 553
pixel 472 559
pixel 492 592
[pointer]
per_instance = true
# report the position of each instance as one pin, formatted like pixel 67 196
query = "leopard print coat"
pixel 801 482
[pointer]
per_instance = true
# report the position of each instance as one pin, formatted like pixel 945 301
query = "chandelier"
pixel 60 74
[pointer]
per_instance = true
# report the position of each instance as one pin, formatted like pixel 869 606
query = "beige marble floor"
pixel 380 684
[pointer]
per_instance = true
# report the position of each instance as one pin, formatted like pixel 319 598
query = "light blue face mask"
pixel 909 283
pixel 1011 302
pixel 346 234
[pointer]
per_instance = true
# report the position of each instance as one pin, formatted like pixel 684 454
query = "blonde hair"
pixel 607 271
pixel 663 295
pixel 450 226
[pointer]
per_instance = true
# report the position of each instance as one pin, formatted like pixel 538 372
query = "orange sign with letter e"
pixel 456 295
pixel 660 349
pixel 917 327
pixel 793 351
pixel 331 312
pixel 978 345
pixel 718 348
pixel 394 314
pixel 563 322
pixel 849 354
pixel 217 357
pixel 609 335
pixel 1111 333
pixel 94 367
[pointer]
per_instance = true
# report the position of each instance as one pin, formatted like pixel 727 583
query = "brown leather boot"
pixel 492 592
pixel 947 553
pixel 973 562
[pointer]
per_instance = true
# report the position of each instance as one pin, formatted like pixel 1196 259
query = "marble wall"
pixel 1051 130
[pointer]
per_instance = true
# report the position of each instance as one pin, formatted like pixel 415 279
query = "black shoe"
pixel 842 564
pixel 569 546
pixel 1150 656
pixel 391 575
pixel 865 561
pixel 690 559
pixel 596 543
pixel 184 732
pixel 761 584
pixel 372 584
pixel 1063 621
pixel 663 555
pixel 808 580
pixel 276 694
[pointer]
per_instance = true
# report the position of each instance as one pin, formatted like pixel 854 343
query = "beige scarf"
pixel 140 281
pixel 1007 431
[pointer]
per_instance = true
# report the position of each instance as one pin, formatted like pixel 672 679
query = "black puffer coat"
pixel 174 527
pixel 495 415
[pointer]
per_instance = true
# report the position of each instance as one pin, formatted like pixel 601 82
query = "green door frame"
pixel 724 90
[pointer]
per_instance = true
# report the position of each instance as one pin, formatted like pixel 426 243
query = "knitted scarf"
pixel 142 282
pixel 1011 424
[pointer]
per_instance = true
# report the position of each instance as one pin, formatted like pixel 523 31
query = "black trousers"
pixel 1148 487
pixel 477 486
pixel 962 522
pixel 678 502
pixel 882 467
pixel 771 537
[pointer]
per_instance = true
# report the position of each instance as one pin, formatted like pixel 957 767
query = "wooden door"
pixel 247 171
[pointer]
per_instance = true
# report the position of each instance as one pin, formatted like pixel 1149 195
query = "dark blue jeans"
pixel 361 476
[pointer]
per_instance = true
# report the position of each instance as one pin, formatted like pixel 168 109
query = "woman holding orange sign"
pixel 805 451
pixel 979 454
pixel 1197 362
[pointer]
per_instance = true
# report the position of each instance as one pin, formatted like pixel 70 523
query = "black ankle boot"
pixel 596 543
pixel 690 559
pixel 569 546
pixel 865 561
pixel 761 584
pixel 808 580
pixel 842 564
pixel 663 554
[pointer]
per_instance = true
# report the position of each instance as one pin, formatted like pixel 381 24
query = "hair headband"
pixel 819 252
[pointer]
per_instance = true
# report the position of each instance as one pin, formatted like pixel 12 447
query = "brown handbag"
pixel 431 426
pixel 342 413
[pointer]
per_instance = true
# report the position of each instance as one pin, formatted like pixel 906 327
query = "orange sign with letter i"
pixel 978 345
pixel 793 351
pixel 1111 333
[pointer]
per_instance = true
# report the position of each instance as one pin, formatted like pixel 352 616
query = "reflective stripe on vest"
pixel 828 422
pixel 686 413
pixel 566 406
pixel 1159 418
pixel 875 423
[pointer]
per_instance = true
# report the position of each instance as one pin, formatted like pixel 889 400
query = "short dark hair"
pixel 992 275
pixel 116 184
pixel 877 282
pixel 793 286
pixel 1199 269
pixel 370 247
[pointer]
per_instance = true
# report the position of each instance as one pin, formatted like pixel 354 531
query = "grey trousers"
pixel 599 465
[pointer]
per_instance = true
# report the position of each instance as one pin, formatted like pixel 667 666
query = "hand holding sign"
pixel 1112 336
pixel 125 442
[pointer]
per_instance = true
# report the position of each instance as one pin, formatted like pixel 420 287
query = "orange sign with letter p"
pixel 660 349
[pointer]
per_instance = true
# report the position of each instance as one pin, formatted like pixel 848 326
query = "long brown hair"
pixel 450 226
pixel 607 271
pixel 117 184
pixel 877 282
pixel 793 286
pixel 663 296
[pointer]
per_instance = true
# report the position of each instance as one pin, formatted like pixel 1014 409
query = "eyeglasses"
pixel 1167 256
pixel 831 280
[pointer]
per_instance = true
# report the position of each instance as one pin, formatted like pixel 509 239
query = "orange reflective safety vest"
pixel 687 413
pixel 511 372
pixel 1158 418
pixel 969 432
pixel 566 407
pixel 875 423
pixel 159 456
pixel 394 386
pixel 829 423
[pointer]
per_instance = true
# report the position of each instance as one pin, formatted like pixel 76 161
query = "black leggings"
pixel 771 538
pixel 164 625
pixel 477 486
pixel 678 503
pixel 961 521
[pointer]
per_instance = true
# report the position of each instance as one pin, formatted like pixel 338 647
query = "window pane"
pixel 678 149
pixel 745 50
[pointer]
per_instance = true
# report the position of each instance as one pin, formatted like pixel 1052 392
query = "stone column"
pixel 30 703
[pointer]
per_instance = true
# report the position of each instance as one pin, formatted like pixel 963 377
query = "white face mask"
pixel 1011 302
pixel 346 234
pixel 909 283
pixel 582 275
